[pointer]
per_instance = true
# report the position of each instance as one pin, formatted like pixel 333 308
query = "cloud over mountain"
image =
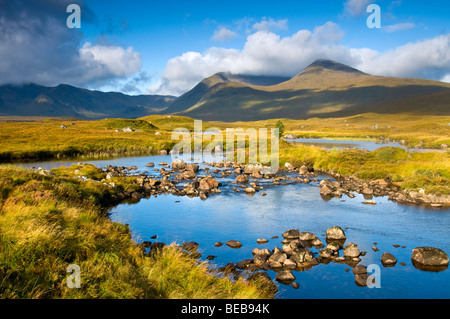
pixel 268 53
pixel 37 46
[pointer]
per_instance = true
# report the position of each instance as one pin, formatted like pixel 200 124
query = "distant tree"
pixel 280 127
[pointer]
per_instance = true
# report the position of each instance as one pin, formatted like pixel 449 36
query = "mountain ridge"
pixel 324 88
pixel 65 100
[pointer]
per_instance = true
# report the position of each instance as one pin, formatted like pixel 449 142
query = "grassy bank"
pixel 45 139
pixel 410 170
pixel 50 222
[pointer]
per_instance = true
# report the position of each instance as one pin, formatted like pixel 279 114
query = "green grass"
pixel 50 222
pixel 410 170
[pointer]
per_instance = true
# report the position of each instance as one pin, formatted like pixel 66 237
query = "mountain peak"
pixel 320 65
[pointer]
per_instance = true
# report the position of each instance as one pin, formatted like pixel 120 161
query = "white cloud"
pixel 398 27
pixel 115 60
pixel 267 53
pixel 428 59
pixel 270 24
pixel 223 34
pixel 356 7
pixel 37 47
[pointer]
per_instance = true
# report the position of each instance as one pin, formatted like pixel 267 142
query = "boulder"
pixel 178 164
pixel 192 167
pixel 307 236
pixel 429 256
pixel 291 234
pixel 208 184
pixel 316 242
pixel 260 256
pixel 242 179
pixel 253 168
pixel 363 280
pixel 290 264
pixel 285 276
pixel 359 270
pixel 190 246
pixel 278 257
pixel 303 170
pixel 388 260
pixel 249 190
pixel 325 253
pixel 233 244
pixel 351 251
pixel 335 233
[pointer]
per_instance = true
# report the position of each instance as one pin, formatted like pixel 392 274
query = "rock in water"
pixel 429 256
pixel 233 244
pixel 388 260
pixel 351 251
pixel 285 276
pixel 335 233
pixel 178 164
pixel 291 234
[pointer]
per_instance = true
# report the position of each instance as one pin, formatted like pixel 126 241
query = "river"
pixel 235 215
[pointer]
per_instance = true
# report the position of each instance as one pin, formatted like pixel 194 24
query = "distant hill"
pixel 69 101
pixel 324 89
pixel 194 96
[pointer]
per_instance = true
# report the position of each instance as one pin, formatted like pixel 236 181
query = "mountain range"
pixel 69 101
pixel 324 89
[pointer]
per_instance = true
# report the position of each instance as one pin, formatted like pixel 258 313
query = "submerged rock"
pixel 388 260
pixel 335 233
pixel 233 244
pixel 429 258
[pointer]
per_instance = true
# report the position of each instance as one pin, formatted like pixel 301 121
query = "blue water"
pixel 341 144
pixel 237 216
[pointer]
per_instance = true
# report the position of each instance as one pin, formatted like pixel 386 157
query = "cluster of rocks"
pixel 295 255
pixel 379 187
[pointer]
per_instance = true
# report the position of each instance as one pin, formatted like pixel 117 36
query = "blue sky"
pixel 166 47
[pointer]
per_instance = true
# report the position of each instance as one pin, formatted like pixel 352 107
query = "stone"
pixel 359 270
pixel 218 244
pixel 295 285
pixel 316 242
pixel 278 257
pixel 253 168
pixel 233 244
pixel 290 264
pixel 285 276
pixel 388 260
pixel 243 263
pixel 190 246
pixel 429 256
pixel 192 167
pixel 242 179
pixel 351 251
pixel 303 170
pixel 325 253
pixel 364 280
pixel 307 236
pixel 262 241
pixel 291 234
pixel 178 164
pixel 335 233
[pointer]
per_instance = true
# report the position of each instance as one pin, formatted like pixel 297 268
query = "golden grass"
pixel 50 222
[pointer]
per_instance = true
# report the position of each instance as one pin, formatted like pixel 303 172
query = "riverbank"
pixel 49 221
